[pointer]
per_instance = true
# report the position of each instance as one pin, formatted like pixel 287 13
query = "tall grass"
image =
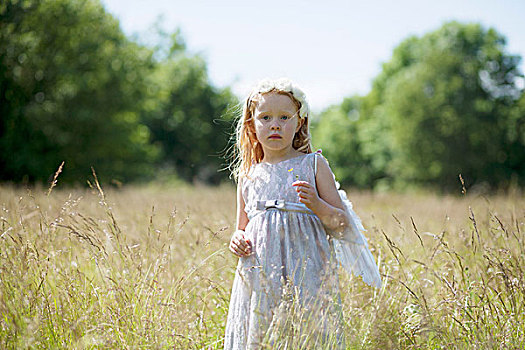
pixel 148 267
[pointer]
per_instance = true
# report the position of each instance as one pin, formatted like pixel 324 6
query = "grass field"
pixel 148 267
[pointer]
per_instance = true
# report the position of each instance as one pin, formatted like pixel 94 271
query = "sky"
pixel 331 49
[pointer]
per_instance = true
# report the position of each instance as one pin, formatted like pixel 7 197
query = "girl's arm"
pixel 325 202
pixel 242 217
pixel 239 244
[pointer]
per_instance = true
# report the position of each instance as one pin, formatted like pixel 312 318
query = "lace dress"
pixel 286 294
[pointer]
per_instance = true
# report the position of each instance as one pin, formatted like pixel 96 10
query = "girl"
pixel 293 225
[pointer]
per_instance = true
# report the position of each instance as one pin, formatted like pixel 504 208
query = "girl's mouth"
pixel 275 137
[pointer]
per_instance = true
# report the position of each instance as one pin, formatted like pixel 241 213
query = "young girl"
pixel 293 225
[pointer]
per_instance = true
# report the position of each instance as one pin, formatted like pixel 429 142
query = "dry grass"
pixel 148 267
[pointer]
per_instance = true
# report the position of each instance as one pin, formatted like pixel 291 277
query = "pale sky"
pixel 331 49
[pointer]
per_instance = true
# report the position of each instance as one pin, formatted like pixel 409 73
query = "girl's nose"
pixel 275 126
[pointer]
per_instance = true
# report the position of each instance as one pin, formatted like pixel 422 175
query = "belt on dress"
pixel 282 205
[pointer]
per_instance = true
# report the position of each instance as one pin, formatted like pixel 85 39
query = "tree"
pixel 71 86
pixel 337 133
pixel 443 104
pixel 514 147
pixel 189 119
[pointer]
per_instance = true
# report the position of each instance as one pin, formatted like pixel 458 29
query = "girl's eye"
pixel 285 117
pixel 265 117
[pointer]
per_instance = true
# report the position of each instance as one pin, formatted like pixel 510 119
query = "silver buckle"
pixel 272 204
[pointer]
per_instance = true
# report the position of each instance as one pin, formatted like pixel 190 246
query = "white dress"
pixel 286 294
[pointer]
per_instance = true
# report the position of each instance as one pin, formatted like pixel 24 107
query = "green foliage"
pixel 515 137
pixel 337 134
pixel 73 88
pixel 188 117
pixel 448 107
pixel 445 104
pixel 70 89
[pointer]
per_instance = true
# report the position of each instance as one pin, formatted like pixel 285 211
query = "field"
pixel 148 267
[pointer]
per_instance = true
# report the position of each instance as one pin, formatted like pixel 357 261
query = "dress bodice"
pixel 274 181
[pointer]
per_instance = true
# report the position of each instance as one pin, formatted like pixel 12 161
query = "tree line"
pixel 74 88
pixel 446 104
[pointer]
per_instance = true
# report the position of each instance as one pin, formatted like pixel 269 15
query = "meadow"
pixel 148 267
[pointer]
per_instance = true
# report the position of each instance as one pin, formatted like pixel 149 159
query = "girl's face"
pixel 276 120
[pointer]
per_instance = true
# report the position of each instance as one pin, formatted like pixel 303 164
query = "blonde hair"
pixel 248 150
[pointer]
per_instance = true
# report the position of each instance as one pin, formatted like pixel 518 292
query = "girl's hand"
pixel 307 194
pixel 240 245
